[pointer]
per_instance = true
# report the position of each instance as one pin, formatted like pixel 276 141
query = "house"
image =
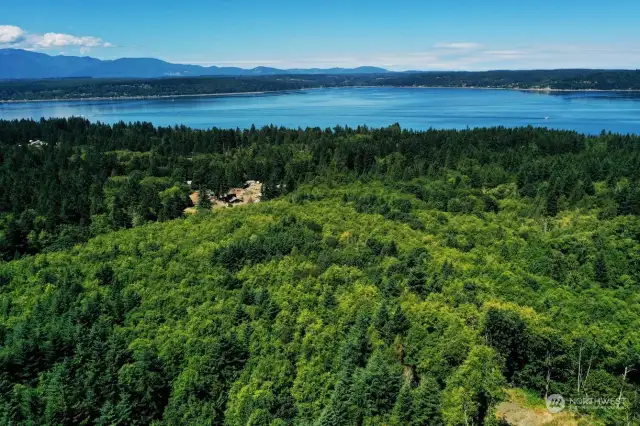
pixel 37 143
pixel 195 197
pixel 238 192
pixel 227 198
pixel 251 192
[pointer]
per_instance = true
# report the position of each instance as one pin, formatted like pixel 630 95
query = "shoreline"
pixel 515 89
pixel 229 94
pixel 144 97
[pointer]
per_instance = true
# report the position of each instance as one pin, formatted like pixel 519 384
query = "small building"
pixel 251 192
pixel 238 192
pixel 37 143
pixel 227 198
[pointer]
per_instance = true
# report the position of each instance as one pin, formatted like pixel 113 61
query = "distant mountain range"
pixel 23 64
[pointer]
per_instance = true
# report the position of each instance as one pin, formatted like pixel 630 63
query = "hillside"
pixel 319 309
pixel 392 277
pixel 24 64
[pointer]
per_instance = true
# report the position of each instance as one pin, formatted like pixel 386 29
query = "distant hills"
pixel 23 64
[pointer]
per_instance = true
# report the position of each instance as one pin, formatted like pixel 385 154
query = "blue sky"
pixel 400 35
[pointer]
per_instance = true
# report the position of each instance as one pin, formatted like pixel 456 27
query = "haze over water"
pixel 586 112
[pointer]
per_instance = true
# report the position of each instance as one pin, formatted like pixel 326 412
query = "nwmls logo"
pixel 555 403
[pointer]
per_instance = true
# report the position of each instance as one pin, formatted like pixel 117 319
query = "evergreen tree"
pixel 339 410
pixel 377 386
pixel 204 202
pixel 355 349
pixel 399 322
pixel 506 332
pixel 426 403
pixel 552 203
pixel 381 322
pixel 474 389
pixel 403 414
pixel 416 281
pixel 600 269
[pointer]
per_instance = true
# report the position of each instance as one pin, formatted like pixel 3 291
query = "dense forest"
pixel 537 79
pixel 81 88
pixel 85 88
pixel 393 277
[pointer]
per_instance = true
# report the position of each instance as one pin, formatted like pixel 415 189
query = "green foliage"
pixel 204 202
pixel 405 278
pixel 506 332
pixel 473 390
pixel 92 178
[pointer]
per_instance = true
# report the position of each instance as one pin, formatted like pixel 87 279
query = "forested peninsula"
pixel 87 88
pixel 387 276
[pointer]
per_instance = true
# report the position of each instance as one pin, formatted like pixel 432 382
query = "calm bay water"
pixel 587 112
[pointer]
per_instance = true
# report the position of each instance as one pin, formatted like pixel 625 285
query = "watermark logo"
pixel 555 403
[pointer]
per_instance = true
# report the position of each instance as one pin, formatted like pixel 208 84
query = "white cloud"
pixel 239 63
pixel 10 34
pixel 458 46
pixel 17 37
pixel 431 58
pixel 60 40
pixel 504 53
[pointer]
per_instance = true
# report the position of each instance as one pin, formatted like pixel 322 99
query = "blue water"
pixel 587 112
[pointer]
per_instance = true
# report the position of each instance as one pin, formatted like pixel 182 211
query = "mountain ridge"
pixel 18 64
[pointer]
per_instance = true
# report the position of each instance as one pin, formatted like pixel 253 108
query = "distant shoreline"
pixel 517 89
pixel 228 94
pixel 149 97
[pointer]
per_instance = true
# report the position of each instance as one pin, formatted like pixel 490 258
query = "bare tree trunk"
pixel 546 389
pixel 624 379
pixel 588 370
pixel 579 367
